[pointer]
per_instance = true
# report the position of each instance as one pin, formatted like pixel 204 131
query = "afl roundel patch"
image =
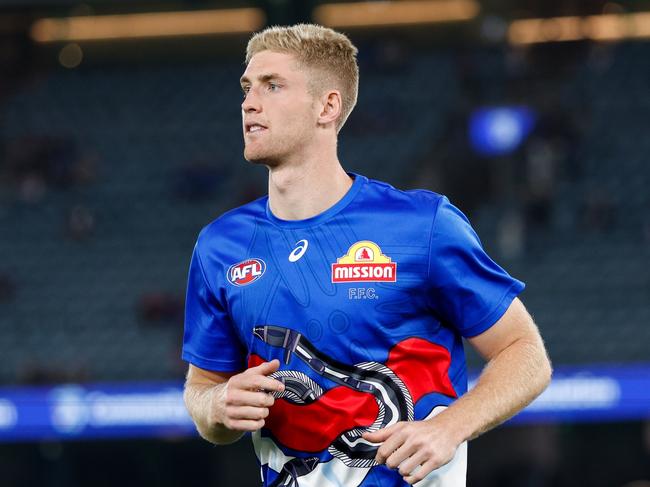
pixel 246 272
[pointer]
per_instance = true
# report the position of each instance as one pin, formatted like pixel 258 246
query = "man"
pixel 327 318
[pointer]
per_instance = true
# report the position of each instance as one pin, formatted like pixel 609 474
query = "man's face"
pixel 278 113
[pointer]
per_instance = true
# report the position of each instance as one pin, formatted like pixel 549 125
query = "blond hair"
pixel 329 53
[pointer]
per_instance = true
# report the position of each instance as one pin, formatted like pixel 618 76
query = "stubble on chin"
pixel 260 158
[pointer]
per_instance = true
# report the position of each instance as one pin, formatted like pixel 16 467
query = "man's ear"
pixel 331 107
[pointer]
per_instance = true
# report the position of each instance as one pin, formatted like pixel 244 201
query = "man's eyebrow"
pixel 263 78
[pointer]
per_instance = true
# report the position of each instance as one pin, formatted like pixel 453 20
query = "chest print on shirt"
pixel 373 395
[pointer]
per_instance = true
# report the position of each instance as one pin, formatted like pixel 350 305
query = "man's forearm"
pixel 509 382
pixel 198 400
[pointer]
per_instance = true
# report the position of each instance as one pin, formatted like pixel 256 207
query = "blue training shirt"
pixel 364 305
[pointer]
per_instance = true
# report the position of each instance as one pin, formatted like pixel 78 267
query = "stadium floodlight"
pixel 607 27
pixel 386 14
pixel 147 25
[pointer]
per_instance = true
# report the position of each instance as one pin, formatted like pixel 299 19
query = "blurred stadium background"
pixel 120 138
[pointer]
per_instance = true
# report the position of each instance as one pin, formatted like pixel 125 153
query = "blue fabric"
pixel 210 340
pixel 468 289
pixel 446 287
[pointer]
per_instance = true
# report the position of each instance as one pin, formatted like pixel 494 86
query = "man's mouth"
pixel 255 128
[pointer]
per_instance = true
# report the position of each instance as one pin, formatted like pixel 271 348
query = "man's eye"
pixel 273 87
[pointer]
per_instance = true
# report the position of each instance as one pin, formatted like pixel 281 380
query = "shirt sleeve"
pixel 469 291
pixel 210 340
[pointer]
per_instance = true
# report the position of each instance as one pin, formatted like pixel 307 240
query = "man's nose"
pixel 251 103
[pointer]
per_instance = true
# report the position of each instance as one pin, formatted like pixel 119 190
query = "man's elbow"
pixel 548 371
pixel 225 437
pixel 537 364
pixel 544 369
pixel 197 404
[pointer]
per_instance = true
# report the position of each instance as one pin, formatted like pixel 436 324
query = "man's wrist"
pixel 450 426
pixel 215 413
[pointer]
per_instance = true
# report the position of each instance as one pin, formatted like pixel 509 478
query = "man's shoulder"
pixel 232 223
pixel 414 198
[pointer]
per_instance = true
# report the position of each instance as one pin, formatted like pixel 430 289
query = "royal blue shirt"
pixel 364 304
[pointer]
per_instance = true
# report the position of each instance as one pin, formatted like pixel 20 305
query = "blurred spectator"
pixel 384 56
pixel 598 211
pixel 250 191
pixel 428 174
pixel 199 180
pixel 376 119
pixel 601 57
pixel 35 162
pixel 541 160
pixel 646 230
pixel 160 307
pixel 31 188
pixel 449 166
pixel 7 288
pixel 511 232
pixel 80 223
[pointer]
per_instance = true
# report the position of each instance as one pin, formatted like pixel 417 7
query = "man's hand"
pixel 416 448
pixel 518 370
pixel 243 404
pixel 225 405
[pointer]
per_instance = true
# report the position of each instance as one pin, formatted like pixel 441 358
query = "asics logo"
pixel 299 251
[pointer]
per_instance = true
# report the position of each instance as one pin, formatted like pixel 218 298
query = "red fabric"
pixel 423 367
pixel 420 364
pixel 313 427
pixel 255 360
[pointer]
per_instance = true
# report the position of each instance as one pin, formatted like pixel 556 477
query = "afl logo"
pixel 246 272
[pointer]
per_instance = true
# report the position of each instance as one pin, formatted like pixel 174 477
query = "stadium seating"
pixel 75 308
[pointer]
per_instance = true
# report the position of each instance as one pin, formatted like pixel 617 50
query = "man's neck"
pixel 304 190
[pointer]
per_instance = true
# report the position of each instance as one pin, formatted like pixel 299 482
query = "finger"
pixel 376 436
pixel 396 458
pixel 408 466
pixel 379 435
pixel 249 398
pixel 246 425
pixel 389 446
pixel 265 368
pixel 418 474
pixel 260 383
pixel 247 412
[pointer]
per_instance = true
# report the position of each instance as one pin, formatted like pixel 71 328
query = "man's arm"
pixel 518 370
pixel 225 405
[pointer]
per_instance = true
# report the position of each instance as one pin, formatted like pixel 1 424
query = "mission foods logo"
pixel 246 272
pixel 364 262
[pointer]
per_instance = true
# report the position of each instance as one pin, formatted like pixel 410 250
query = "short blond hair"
pixel 324 50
